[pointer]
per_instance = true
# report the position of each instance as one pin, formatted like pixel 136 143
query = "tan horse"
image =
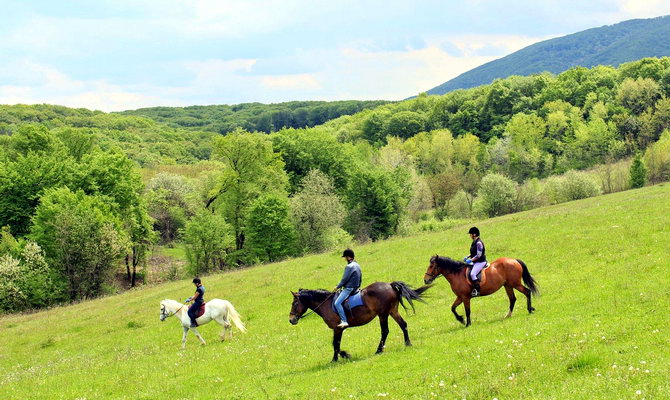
pixel 507 272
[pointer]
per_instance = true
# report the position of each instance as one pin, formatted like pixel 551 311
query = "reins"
pixel 311 311
pixel 179 309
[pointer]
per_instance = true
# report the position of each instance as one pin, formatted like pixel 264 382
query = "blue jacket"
pixel 352 276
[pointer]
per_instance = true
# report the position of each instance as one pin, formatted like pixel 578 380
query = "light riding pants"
pixel 340 299
pixel 475 270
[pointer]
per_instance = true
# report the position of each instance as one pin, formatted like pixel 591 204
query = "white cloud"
pixel 644 8
pixel 54 87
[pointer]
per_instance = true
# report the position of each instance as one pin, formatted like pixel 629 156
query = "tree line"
pixel 76 209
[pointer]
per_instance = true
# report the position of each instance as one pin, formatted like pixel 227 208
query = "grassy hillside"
pixel 600 330
pixel 606 45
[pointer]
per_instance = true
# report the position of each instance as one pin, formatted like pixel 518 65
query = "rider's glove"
pixel 187 300
pixel 469 261
pixel 465 259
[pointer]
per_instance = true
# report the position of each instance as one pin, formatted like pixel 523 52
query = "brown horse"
pixel 506 272
pixel 379 299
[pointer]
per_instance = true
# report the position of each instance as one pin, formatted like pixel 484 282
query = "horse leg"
pixel 457 303
pixel 512 300
pixel 384 324
pixel 521 288
pixel 199 336
pixel 337 338
pixel 466 304
pixel 223 324
pixel 403 325
pixel 183 338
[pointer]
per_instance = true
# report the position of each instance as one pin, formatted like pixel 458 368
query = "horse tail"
pixel 405 291
pixel 528 280
pixel 233 315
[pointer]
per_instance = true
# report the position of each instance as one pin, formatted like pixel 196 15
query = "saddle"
pixel 200 311
pixel 354 300
pixel 480 276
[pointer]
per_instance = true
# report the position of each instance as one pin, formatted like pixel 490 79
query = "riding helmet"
pixel 348 253
pixel 474 230
pixel 197 280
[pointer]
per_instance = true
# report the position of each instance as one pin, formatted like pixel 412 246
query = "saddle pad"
pixel 355 300
pixel 200 311
pixel 352 301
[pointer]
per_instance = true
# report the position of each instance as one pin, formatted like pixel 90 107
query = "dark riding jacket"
pixel 477 251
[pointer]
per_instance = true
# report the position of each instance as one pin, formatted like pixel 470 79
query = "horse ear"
pixel 294 293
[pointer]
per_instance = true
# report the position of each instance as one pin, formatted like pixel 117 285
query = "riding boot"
pixel 475 288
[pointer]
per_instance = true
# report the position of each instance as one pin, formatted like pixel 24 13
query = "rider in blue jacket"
pixel 351 280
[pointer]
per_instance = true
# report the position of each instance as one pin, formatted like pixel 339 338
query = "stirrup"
pixel 475 292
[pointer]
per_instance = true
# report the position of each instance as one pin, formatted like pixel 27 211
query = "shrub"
pixel 638 172
pixel 573 185
pixel 657 159
pixel 81 238
pixel 497 195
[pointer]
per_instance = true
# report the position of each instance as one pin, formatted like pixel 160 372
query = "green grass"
pixel 600 330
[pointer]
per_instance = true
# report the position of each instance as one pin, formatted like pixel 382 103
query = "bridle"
pixel 167 314
pixel 437 273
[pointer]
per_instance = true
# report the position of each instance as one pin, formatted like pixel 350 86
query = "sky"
pixel 126 54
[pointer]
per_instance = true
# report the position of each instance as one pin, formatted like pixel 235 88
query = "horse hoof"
pixel 344 354
pixel 408 344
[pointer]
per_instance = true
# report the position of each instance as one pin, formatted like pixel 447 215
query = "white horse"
pixel 218 310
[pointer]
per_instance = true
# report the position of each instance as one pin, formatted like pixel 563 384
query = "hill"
pixel 600 330
pixel 607 45
pixel 254 116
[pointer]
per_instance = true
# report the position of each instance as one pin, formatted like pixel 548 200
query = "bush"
pixel 460 206
pixel 81 238
pixel 657 159
pixel 638 173
pixel 529 195
pixel 573 185
pixel 26 282
pixel 497 195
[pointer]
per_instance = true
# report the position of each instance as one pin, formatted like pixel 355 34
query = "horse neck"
pixel 174 307
pixel 322 305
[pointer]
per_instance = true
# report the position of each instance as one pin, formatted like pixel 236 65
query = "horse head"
pixel 433 270
pixel 297 308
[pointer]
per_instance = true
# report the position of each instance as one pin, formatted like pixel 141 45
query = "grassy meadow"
pixel 600 331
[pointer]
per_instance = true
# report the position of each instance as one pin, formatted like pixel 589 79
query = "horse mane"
pixel 314 295
pixel 449 265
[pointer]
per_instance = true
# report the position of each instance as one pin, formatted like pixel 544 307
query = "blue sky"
pixel 126 54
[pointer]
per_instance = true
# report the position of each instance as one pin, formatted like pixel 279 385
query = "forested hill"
pixel 607 45
pixel 254 116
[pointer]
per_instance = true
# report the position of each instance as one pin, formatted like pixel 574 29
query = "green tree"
pixel 82 240
pixel 316 210
pixel 251 169
pixel 270 233
pixel 376 203
pixel 208 238
pixel 638 172
pixel 405 124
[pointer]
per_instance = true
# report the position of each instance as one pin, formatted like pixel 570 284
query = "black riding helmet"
pixel 197 280
pixel 348 253
pixel 474 230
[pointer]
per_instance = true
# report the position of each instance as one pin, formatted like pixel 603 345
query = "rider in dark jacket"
pixel 198 298
pixel 477 258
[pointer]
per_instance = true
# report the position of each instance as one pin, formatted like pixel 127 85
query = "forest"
pixel 86 195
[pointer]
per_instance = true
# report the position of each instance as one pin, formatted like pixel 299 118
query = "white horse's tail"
pixel 235 317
